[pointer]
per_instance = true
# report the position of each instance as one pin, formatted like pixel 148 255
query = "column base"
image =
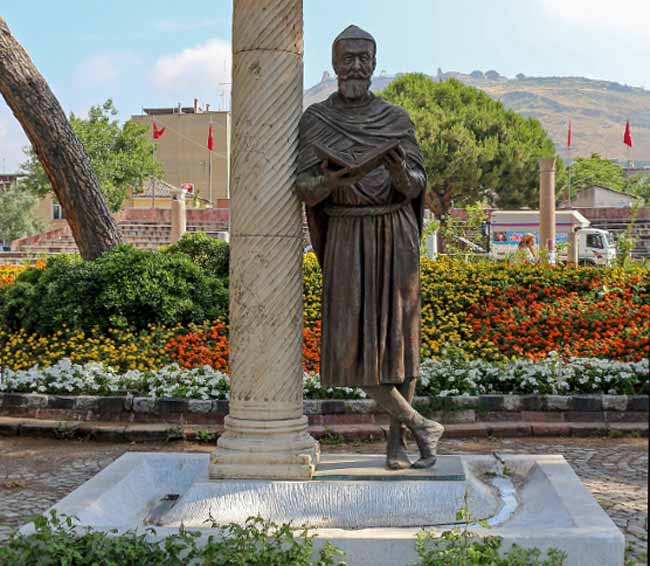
pixel 273 450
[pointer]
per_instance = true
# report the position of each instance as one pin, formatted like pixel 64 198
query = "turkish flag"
pixel 627 137
pixel 157 132
pixel 569 140
pixel 210 139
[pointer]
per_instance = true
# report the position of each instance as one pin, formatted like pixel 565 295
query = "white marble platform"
pixel 372 514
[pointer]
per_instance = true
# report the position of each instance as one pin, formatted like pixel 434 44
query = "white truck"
pixel 507 227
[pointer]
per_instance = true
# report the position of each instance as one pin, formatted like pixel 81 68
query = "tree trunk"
pixel 61 154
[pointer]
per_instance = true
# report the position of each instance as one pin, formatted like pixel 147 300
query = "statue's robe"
pixel 369 258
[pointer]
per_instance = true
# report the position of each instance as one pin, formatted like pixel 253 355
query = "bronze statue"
pixel 365 220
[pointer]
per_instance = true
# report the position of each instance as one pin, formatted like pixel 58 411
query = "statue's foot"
pixel 396 454
pixel 426 437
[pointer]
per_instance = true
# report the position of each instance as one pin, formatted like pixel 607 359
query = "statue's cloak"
pixel 369 125
pixel 367 238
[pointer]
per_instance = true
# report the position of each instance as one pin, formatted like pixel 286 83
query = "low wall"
pixel 450 410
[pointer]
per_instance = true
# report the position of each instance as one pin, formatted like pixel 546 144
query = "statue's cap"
pixel 354 32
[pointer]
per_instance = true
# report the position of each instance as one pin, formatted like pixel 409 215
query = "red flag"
pixel 210 140
pixel 569 140
pixel 157 132
pixel 627 137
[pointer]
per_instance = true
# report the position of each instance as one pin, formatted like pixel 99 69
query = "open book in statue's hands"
pixel 356 167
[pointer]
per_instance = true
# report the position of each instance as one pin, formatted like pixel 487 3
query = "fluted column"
pixel 266 432
pixel 547 207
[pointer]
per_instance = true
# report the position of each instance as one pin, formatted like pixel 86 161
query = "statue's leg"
pixel 426 432
pixel 397 451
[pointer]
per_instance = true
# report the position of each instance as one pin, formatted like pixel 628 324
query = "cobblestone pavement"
pixel 35 473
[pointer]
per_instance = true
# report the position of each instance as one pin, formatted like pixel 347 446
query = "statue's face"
pixel 354 63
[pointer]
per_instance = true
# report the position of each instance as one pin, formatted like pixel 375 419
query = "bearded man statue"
pixel 365 228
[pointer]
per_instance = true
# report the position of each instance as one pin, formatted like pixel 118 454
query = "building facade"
pixel 182 149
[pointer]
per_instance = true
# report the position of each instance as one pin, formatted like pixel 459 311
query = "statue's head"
pixel 353 59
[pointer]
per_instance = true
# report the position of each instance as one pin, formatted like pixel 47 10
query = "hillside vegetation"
pixel 597 109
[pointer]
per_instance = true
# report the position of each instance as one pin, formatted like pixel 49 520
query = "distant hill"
pixel 597 109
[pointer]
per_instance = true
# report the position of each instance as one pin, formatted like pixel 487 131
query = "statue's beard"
pixel 354 89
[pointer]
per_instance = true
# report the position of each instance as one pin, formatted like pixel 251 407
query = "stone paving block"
pixel 9 426
pixel 152 433
pixel 347 419
pixel 26 401
pixel 490 403
pixel 532 402
pixel 550 429
pixel 542 416
pixel 557 402
pixel 361 406
pixel 34 427
pixel 465 401
pixel 509 429
pixel 512 402
pixel 459 417
pixel 584 416
pixel 63 402
pixel 199 406
pixel 630 428
pixel 220 407
pixel 626 417
pixel 587 403
pixel 113 405
pixel 638 403
pixel 499 416
pixel 332 407
pixel 614 402
pixel 171 406
pixel 85 403
pixel 588 429
pixel 146 405
pixel 102 432
pixel 367 432
pixel 468 430
pixel 311 407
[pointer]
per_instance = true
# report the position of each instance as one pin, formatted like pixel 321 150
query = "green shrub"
pixel 459 547
pixel 209 253
pixel 125 287
pixel 55 542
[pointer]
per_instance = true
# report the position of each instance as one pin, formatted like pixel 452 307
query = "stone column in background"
pixel 547 207
pixel 266 432
pixel 179 218
pixel 572 250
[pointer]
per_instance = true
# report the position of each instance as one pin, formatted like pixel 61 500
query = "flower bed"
pixel 490 311
pixel 439 378
pixel 8 273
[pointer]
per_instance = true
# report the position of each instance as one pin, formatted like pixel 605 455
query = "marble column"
pixel 266 432
pixel 547 207
pixel 572 249
pixel 179 218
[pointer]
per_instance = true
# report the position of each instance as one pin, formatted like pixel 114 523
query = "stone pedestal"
pixel 547 207
pixel 266 432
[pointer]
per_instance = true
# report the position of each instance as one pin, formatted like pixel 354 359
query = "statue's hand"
pixel 339 178
pixel 395 162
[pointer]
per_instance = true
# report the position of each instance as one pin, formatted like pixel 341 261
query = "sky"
pixel 146 53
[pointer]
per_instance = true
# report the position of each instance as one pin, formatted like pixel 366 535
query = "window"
pixel 57 211
pixel 594 241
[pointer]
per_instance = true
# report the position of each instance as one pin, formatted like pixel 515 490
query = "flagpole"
pixel 210 172
pixel 153 156
pixel 569 195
